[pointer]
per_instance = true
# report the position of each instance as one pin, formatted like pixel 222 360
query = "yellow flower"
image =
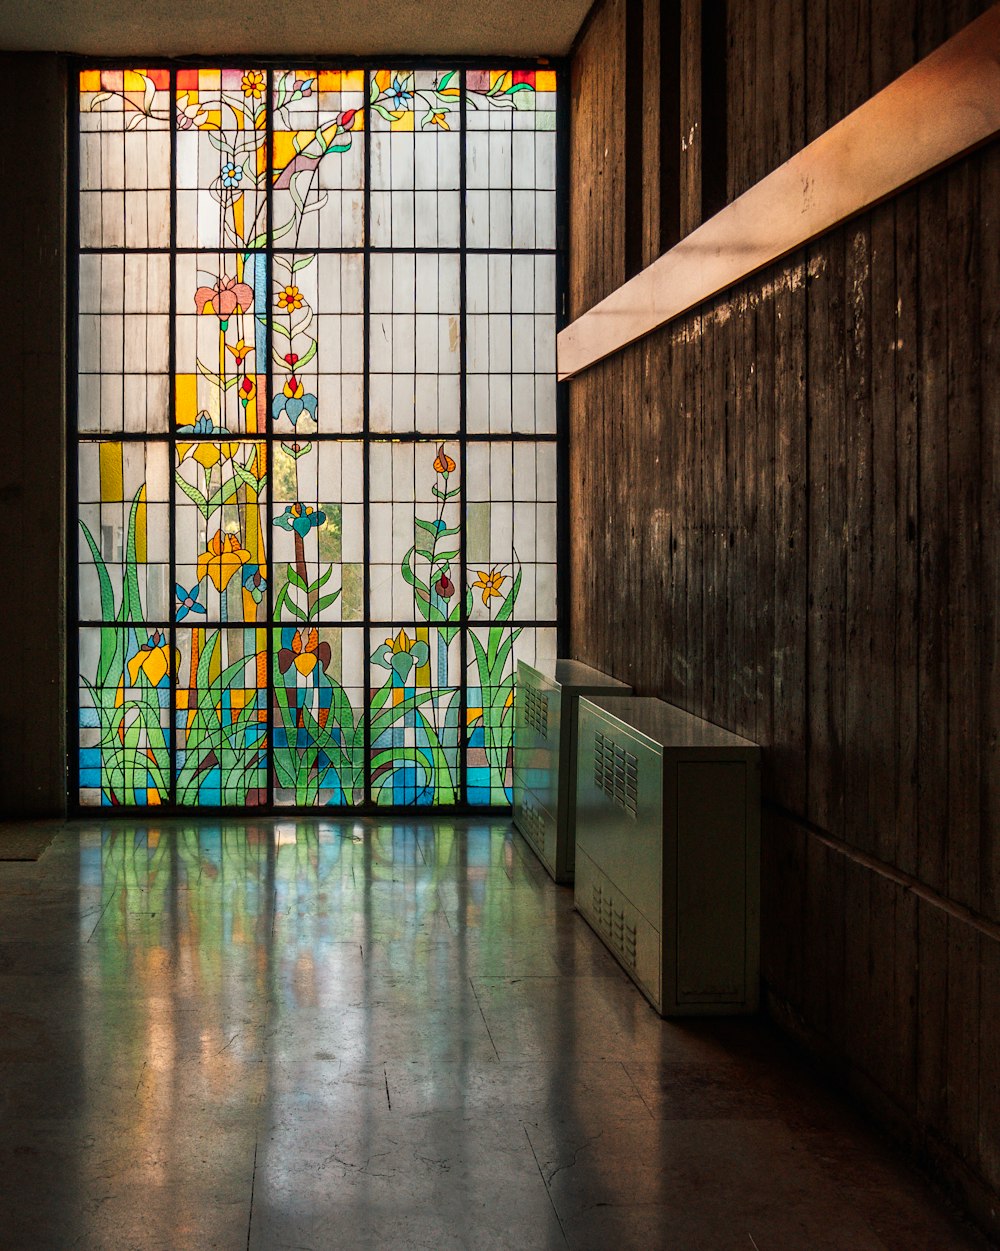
pixel 239 350
pixel 152 660
pixel 207 454
pixel 289 298
pixel 222 559
pixel 489 583
pixel 438 119
pixel 401 643
pixel 253 84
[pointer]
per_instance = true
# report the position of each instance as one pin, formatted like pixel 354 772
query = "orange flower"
pixel 289 298
pixel 239 350
pixel 443 462
pixel 490 584
pixel 438 119
pixel 222 559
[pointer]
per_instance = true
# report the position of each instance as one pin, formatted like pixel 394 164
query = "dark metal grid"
pixel 271 439
pixel 171 428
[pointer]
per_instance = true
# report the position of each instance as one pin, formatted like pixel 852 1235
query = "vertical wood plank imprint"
pixel 880 800
pixel 932 737
pixel 963 530
pixel 989 1063
pixel 963 1052
pixel 989 581
pixel 865 702
pixel 652 123
pixel 691 148
pixel 932 1015
pixel 827 571
pixel 787 762
pixel 907 550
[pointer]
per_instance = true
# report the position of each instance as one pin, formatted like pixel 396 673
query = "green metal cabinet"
pixel 545 700
pixel 668 852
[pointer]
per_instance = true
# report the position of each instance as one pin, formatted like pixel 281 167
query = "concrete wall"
pixel 32 437
pixel 784 519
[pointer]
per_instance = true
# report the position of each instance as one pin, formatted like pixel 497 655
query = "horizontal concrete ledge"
pixel 944 106
pixel 906 881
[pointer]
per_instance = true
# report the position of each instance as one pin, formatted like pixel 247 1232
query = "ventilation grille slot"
pixel 616 773
pixel 532 822
pixel 536 711
pixel 614 923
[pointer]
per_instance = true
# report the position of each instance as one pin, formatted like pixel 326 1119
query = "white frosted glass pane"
pixel 477 220
pixel 403 332
pixel 523 159
pixel 523 219
pixel 112 161
pixel 112 219
pixel 425 161
pixel 545 161
pixel 501 227
pixel 501 153
pixel 477 160
pixel 545 284
pixel 522 349
pixel 380 352
pixel 545 210
pixel 545 344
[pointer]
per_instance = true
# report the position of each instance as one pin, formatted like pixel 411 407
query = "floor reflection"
pixel 311 1033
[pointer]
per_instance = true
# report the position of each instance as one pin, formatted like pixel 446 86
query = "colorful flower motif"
pixel 300 518
pixel 490 584
pixel 439 119
pixel 152 660
pixel 289 298
pixel 239 350
pixel 231 174
pixel 346 119
pixel 253 84
pixel 398 93
pixel 189 114
pixel 207 454
pixel 304 651
pixel 303 87
pixel 444 586
pixel 222 558
pixel 293 400
pixel 443 462
pixel 401 654
pixel 254 582
pixel 227 297
pixel 187 601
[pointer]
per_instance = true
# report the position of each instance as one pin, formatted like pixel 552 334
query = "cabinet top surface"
pixel 666 725
pixel 574 673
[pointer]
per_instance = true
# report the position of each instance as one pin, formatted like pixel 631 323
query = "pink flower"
pixel 226 297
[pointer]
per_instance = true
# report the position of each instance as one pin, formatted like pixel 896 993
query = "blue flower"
pixel 293 400
pixel 231 174
pixel 254 582
pixel 399 93
pixel 205 425
pixel 187 601
pixel 400 655
pixel 300 518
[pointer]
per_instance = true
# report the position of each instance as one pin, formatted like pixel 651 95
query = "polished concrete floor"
pixel 322 1035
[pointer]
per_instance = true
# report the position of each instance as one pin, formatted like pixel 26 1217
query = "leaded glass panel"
pixel 316 413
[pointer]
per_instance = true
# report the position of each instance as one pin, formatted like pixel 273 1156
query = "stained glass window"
pixel 316 419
